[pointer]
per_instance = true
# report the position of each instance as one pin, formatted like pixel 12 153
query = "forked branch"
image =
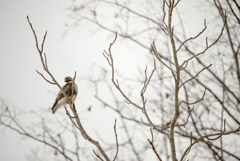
pixel 192 103
pixel 109 58
pixel 159 58
pixel 191 38
pixel 207 46
pixel 153 147
pixel 207 136
pixel 147 80
pixel 194 76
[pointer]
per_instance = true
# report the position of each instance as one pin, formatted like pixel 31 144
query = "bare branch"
pixel 110 62
pixel 166 2
pixel 19 129
pixel 98 156
pixel 106 57
pixel 190 144
pixel 207 136
pixel 194 76
pixel 176 3
pixel 34 33
pixel 71 118
pixel 153 148
pixel 75 73
pixel 147 81
pixel 163 30
pixel 116 140
pixel 233 11
pixel 45 78
pixel 164 16
pixel 45 57
pixel 156 54
pixel 195 101
pixel 86 136
pixel 191 38
pixel 207 47
pixel 185 123
pixel 224 129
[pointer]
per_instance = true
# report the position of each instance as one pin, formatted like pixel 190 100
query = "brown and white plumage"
pixel 71 94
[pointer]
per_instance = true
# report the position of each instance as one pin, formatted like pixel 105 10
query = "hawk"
pixel 70 91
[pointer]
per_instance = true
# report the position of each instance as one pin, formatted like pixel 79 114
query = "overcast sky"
pixel 20 85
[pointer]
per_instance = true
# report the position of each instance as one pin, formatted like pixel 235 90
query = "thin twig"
pixel 151 125
pixel 23 132
pixel 194 76
pixel 191 38
pixel 115 131
pixel 98 155
pixel 109 58
pixel 176 3
pixel 153 148
pixel 158 57
pixel 45 78
pixel 192 103
pixel 207 136
pixel 207 47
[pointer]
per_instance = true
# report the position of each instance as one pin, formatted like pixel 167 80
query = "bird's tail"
pixel 55 107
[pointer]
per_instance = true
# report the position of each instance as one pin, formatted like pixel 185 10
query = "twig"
pixel 45 78
pixel 207 47
pixel 224 125
pixel 166 2
pixel 98 156
pixel 23 132
pixel 191 38
pixel 176 3
pixel 194 76
pixel 207 136
pixel 73 88
pixel 71 118
pixel 116 140
pixel 192 103
pixel 147 81
pixel 183 124
pixel 157 55
pixel 151 125
pixel 109 58
pixel 187 152
pixel 153 148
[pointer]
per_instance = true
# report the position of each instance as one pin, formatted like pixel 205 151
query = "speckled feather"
pixel 61 100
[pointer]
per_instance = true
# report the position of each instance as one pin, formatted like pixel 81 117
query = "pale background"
pixel 79 50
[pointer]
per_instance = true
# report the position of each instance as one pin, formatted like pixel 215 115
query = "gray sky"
pixel 20 85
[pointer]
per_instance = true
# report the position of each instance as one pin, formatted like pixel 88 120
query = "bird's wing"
pixel 67 88
pixel 59 97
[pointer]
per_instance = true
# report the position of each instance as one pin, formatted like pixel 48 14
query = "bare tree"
pixel 219 84
pixel 185 107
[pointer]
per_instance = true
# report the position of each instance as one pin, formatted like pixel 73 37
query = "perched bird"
pixel 70 91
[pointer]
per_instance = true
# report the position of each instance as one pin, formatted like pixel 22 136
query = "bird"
pixel 70 91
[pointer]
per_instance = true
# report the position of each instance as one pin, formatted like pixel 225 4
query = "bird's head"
pixel 68 79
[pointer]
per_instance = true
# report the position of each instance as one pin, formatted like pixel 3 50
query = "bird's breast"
pixel 75 87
